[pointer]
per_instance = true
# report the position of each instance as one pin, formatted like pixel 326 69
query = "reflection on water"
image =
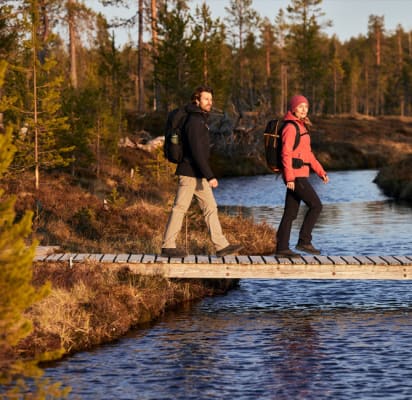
pixel 371 228
pixel 269 190
pixel 268 339
pixel 357 219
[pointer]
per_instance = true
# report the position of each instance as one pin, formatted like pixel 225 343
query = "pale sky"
pixel 349 17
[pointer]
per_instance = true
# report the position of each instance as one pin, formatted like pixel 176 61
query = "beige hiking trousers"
pixel 200 188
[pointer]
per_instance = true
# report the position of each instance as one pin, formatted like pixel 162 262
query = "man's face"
pixel 205 102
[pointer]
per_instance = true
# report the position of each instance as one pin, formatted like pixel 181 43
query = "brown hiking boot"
pixel 231 249
pixel 286 253
pixel 308 248
pixel 172 252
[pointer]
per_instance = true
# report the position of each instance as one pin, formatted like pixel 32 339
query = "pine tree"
pixel 172 58
pixel 209 56
pixel 306 45
pixel 17 291
pixel 47 126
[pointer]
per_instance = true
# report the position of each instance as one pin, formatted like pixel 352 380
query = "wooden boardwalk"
pixel 249 267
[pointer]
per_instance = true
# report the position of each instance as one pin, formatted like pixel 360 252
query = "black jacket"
pixel 196 145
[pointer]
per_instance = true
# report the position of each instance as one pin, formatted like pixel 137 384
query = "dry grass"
pixel 116 212
pixel 91 304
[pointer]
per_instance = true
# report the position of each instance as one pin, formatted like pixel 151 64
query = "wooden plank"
pixel 284 260
pixel 176 260
pixel 190 259
pixel 54 257
pixel 121 258
pixel 391 260
pixel 108 258
pixel 243 260
pixel 298 260
pixel 95 257
pixel 135 258
pixel 257 260
pixel 148 258
pixel 337 260
pixel 364 260
pixel 270 260
pixel 323 260
pixel 161 259
pixel 67 257
pixel 403 260
pixel 230 259
pixel 310 260
pixel 216 260
pixel 275 271
pixel 81 257
pixel 351 260
pixel 256 267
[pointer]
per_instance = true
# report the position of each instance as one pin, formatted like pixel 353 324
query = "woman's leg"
pixel 307 194
pixel 290 213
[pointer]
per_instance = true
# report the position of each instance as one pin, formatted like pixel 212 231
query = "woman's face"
pixel 301 111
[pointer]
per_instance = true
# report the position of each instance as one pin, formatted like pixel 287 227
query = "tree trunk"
pixel 400 66
pixel 72 43
pixel 140 105
pixel 35 115
pixel 154 53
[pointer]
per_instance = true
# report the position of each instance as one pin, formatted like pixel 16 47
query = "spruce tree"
pixel 17 291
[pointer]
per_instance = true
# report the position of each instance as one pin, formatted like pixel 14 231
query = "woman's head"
pixel 299 105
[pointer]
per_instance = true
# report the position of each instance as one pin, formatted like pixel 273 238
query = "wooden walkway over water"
pixel 249 267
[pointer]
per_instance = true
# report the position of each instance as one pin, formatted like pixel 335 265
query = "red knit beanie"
pixel 296 100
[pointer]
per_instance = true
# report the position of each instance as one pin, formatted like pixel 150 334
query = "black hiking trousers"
pixel 303 192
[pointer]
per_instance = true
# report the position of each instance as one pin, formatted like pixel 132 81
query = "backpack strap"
pixel 297 137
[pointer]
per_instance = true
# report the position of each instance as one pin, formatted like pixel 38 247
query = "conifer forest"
pixel 69 89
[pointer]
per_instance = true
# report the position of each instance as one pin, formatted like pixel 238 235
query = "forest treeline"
pixel 69 91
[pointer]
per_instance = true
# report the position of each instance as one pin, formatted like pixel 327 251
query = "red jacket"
pixel 303 151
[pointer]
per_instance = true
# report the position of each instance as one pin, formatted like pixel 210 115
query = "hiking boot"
pixel 232 248
pixel 172 252
pixel 286 253
pixel 308 248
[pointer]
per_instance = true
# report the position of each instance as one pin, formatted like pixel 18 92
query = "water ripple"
pixel 279 340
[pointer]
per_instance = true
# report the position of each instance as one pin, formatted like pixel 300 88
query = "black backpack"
pixel 273 143
pixel 173 145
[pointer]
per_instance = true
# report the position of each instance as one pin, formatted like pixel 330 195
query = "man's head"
pixel 203 98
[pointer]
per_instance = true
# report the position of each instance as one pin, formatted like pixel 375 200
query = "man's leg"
pixel 181 204
pixel 207 202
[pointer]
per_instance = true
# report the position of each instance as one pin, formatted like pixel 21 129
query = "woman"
pixel 296 163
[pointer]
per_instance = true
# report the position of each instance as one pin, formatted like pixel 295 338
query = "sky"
pixel 349 17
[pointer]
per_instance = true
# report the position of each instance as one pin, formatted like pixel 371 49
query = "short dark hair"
pixel 198 91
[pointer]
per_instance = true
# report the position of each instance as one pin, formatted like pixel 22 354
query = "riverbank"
pixel 90 304
pixel 396 179
pixel 339 142
pixel 124 212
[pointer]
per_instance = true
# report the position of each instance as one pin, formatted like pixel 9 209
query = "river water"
pixel 269 339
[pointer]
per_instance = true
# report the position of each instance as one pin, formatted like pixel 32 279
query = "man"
pixel 196 178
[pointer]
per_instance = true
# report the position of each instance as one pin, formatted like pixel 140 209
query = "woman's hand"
pixel 213 183
pixel 325 178
pixel 290 185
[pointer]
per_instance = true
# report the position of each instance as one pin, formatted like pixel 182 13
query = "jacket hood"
pixel 289 116
pixel 193 108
